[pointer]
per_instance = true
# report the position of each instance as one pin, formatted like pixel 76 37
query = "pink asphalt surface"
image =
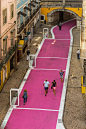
pixel 39 119
pixel 55 48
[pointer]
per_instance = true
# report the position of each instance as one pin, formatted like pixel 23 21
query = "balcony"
pixel 8 55
pixel 28 20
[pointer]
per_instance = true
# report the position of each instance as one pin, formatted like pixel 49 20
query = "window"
pixel 11 11
pixel 4 16
pixel 42 17
pixel 4 47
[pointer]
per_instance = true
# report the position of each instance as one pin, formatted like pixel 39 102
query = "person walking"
pixel 61 75
pixel 54 85
pixel 60 25
pixel 78 54
pixel 25 96
pixel 28 52
pixel 46 85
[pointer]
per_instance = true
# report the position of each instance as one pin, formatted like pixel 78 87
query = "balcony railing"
pixel 8 55
pixel 28 20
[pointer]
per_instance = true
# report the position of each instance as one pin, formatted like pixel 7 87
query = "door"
pixel 61 15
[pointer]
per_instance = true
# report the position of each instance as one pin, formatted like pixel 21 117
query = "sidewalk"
pixel 16 78
pixel 75 105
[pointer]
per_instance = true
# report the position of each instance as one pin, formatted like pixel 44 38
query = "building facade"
pixel 19 20
pixel 7 39
pixel 28 21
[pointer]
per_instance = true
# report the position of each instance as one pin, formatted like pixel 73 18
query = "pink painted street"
pixel 40 111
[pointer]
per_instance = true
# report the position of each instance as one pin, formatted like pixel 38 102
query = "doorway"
pixel 61 15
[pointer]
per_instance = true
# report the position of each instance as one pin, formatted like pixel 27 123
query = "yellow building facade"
pixel 4 74
pixel 45 11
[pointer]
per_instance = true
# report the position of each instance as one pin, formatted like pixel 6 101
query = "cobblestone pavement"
pixel 16 78
pixel 75 105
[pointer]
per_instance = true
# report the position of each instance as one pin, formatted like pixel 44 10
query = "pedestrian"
pixel 46 85
pixel 61 75
pixel 60 25
pixel 54 85
pixel 25 96
pixel 78 54
pixel 28 52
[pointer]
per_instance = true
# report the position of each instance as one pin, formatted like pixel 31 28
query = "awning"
pixel 21 42
pixel 27 8
pixel 20 45
pixel 22 13
pixel 28 33
pixel 5 37
pixel 31 4
pixel 12 30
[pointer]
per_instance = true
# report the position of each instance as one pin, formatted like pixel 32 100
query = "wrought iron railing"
pixel 28 20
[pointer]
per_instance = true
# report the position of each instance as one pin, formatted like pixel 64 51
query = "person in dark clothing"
pixel 78 54
pixel 54 85
pixel 60 25
pixel 28 52
pixel 25 96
